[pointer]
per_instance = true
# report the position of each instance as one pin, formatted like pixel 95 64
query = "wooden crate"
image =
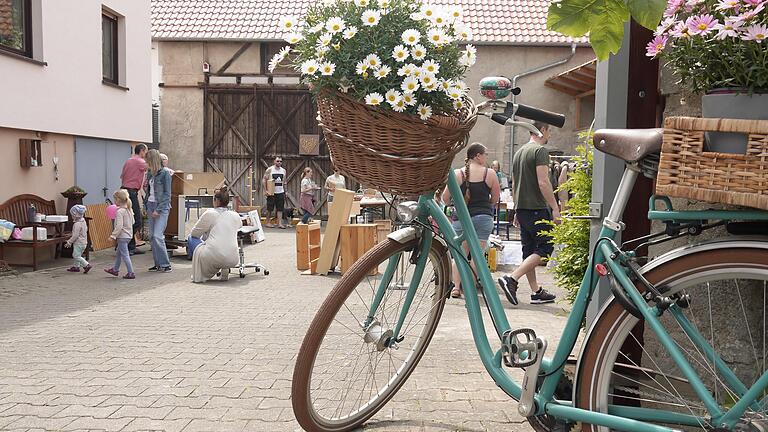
pixel 687 170
pixel 99 227
pixel 356 240
pixel 307 245
pixel 383 229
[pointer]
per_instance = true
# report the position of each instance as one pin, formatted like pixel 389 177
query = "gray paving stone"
pixel 160 353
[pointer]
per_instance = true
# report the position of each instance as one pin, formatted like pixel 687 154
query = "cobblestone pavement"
pixel 92 352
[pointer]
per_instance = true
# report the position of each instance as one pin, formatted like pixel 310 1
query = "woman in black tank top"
pixel 480 187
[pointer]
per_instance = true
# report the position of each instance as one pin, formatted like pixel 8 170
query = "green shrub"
pixel 573 234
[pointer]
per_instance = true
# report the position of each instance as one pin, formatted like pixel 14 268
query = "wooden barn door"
pixel 286 126
pixel 230 137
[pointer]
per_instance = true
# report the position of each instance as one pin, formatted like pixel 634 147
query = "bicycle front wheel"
pixel 625 370
pixel 346 369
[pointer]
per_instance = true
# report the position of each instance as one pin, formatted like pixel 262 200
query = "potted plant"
pixel 387 78
pixel 718 48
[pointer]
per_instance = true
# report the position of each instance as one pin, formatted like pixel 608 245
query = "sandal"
pixel 456 293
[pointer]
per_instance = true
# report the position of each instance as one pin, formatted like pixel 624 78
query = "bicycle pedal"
pixel 520 348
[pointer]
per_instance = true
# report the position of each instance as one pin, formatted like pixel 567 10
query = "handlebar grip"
pixel 500 119
pixel 535 114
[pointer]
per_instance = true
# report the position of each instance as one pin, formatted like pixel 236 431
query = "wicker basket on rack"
pixel 687 170
pixel 392 152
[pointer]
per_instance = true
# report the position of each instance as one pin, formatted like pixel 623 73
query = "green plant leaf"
pixel 607 32
pixel 572 17
pixel 647 13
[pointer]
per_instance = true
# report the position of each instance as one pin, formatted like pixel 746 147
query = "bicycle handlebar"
pixel 535 114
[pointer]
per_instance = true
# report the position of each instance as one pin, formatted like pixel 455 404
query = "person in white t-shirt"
pixel 334 181
pixel 276 200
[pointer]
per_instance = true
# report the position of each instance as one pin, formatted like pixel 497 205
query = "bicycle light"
pixel 407 211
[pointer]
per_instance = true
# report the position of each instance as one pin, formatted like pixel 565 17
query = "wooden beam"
pixel 236 56
pixel 564 89
pixel 589 82
pixel 586 93
pixel 578 85
pixel 584 76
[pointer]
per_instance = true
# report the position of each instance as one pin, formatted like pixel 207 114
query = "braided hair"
pixel 472 151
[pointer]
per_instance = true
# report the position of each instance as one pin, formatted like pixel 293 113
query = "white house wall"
pixel 67 96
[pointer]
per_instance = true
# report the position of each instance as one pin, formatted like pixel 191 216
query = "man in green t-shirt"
pixel 534 201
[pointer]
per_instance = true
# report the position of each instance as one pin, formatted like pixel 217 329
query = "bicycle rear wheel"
pixel 624 365
pixel 344 374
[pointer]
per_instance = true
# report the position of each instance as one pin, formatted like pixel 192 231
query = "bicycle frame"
pixel 623 418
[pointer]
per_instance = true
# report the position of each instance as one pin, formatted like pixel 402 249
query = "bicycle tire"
pixel 301 392
pixel 616 363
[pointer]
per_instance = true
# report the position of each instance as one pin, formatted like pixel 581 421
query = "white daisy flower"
pixel 410 84
pixel 373 99
pixel 325 39
pixel 446 84
pixel 438 37
pixel 310 67
pixel 322 50
pixel 407 70
pixel 418 52
pixel 431 66
pixel 392 96
pixel 372 60
pixel 335 25
pixel 371 17
pixel 383 4
pixel 350 32
pixel 427 79
pixel 399 106
pixel 411 37
pixel 288 22
pixel 417 72
pixel 428 11
pixel 467 60
pixel 470 49
pixel 361 68
pixel 400 53
pixel 461 85
pixel 409 99
pixel 361 3
pixel 440 19
pixel 275 62
pixel 425 112
pixel 455 13
pixel 458 104
pixel 463 32
pixel 327 68
pixel 432 86
pixel 382 72
pixel 316 28
pixel 454 93
pixel 293 38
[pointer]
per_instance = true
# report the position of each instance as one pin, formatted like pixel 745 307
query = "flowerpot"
pixel 73 198
pixel 731 104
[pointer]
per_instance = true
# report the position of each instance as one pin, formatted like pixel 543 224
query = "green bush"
pixel 573 234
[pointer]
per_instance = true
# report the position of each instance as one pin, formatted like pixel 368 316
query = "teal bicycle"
pixel 650 362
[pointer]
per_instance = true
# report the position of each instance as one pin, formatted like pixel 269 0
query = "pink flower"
pixel 728 4
pixel 656 46
pixel 672 7
pixel 680 30
pixel 729 29
pixel 757 32
pixel 754 3
pixel 701 24
pixel 665 25
pixel 746 16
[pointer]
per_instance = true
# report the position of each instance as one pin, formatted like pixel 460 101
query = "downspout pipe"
pixel 514 96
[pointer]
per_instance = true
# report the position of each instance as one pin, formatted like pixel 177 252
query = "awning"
pixel 577 82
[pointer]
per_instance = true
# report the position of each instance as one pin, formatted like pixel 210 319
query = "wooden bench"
pixel 15 210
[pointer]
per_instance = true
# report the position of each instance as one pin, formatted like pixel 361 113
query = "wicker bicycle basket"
pixel 392 152
pixel 687 170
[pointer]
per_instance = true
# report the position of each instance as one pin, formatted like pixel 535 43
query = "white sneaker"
pixel 224 274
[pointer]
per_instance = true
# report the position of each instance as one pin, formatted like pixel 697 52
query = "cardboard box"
pixel 270 187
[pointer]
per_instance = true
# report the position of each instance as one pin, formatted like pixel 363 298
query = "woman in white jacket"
pixel 217 227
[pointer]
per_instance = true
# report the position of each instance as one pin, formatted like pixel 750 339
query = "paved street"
pixel 91 352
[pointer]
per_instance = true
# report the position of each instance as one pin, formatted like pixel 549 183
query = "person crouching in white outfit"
pixel 217 227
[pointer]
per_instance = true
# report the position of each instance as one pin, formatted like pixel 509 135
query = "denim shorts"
pixel 483 226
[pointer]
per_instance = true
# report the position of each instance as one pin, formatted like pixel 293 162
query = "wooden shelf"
pixel 307 246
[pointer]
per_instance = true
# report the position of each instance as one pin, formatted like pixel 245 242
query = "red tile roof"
pixel 514 22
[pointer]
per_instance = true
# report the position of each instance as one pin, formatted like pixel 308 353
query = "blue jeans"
pixel 123 255
pixel 157 231
pixel 307 216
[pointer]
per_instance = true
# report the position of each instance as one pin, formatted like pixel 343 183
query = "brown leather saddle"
pixel 630 145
